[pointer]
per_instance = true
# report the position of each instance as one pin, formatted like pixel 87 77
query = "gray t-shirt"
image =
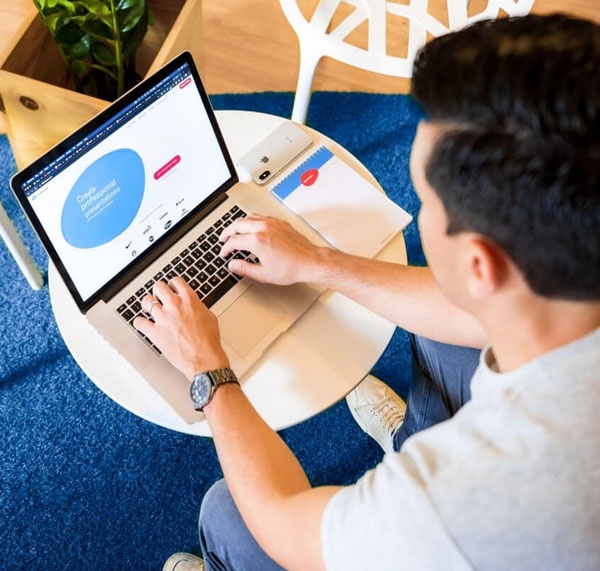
pixel 511 482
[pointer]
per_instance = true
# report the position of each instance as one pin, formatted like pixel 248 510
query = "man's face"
pixel 441 250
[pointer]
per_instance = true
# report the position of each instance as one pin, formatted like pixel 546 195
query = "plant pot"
pixel 37 99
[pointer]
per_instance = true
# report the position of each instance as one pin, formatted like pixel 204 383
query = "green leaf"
pixel 78 68
pixel 127 4
pixel 129 17
pixel 79 50
pixel 103 54
pixel 68 6
pixel 133 39
pixel 98 8
pixel 98 29
pixel 68 33
pixel 54 21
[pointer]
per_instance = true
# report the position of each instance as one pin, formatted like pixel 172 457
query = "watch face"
pixel 201 389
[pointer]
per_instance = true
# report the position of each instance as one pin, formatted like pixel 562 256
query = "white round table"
pixel 319 360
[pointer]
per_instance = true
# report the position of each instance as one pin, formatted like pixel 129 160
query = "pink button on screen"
pixel 167 167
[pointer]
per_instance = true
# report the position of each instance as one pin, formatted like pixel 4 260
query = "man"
pixel 507 166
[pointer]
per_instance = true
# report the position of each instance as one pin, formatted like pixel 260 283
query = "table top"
pixel 319 360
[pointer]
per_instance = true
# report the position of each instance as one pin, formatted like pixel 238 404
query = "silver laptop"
pixel 141 193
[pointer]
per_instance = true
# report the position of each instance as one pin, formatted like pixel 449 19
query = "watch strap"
pixel 222 376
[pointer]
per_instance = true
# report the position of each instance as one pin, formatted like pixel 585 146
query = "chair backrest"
pixel 317 31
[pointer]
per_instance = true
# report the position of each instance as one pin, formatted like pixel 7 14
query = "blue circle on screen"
pixel 104 200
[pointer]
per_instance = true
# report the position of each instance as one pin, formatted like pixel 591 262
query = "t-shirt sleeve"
pixel 387 521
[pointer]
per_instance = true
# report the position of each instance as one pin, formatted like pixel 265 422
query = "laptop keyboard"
pixel 199 265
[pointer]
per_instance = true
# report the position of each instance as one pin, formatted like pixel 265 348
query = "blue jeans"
pixel 440 385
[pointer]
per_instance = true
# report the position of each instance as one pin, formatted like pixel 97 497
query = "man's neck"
pixel 522 331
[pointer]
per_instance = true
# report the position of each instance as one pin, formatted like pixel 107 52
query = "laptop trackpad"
pixel 246 322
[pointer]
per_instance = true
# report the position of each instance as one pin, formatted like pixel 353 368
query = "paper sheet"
pixel 347 210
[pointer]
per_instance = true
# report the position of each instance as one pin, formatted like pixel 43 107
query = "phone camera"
pixel 263 175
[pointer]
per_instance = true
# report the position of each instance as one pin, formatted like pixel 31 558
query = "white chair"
pixel 318 38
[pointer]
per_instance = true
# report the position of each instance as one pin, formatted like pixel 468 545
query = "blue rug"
pixel 84 484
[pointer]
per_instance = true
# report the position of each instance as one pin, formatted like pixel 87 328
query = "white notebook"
pixel 352 214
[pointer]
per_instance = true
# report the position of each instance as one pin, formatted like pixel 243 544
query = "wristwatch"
pixel 205 384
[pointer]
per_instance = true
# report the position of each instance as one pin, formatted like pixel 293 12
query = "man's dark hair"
pixel 519 157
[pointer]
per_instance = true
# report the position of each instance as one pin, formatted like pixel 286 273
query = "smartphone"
pixel 275 152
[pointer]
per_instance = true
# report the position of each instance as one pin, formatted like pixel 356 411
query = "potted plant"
pixel 98 39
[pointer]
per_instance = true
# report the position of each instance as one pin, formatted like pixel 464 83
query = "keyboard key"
pixel 219 292
pixel 128 315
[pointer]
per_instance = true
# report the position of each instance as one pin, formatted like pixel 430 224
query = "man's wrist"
pixel 321 268
pixel 225 391
pixel 206 363
pixel 205 385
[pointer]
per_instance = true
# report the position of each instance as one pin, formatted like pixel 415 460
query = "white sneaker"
pixel 184 562
pixel 378 410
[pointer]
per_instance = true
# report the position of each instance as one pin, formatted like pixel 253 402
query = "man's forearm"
pixel 406 295
pixel 268 485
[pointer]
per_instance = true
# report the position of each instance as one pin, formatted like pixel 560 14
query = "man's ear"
pixel 487 266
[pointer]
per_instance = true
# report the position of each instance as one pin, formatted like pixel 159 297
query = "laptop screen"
pixel 105 195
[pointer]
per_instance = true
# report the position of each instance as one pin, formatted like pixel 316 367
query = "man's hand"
pixel 184 329
pixel 285 256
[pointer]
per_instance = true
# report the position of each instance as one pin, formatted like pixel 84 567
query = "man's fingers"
pixel 143 325
pixel 178 286
pixel 162 291
pixel 238 242
pixel 246 269
pixel 246 225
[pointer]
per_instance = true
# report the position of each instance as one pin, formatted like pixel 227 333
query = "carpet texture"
pixel 84 484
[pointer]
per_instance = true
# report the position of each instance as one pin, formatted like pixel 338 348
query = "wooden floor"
pixel 249 45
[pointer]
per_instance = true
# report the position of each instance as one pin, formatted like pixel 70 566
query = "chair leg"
pixel 18 251
pixel 308 65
